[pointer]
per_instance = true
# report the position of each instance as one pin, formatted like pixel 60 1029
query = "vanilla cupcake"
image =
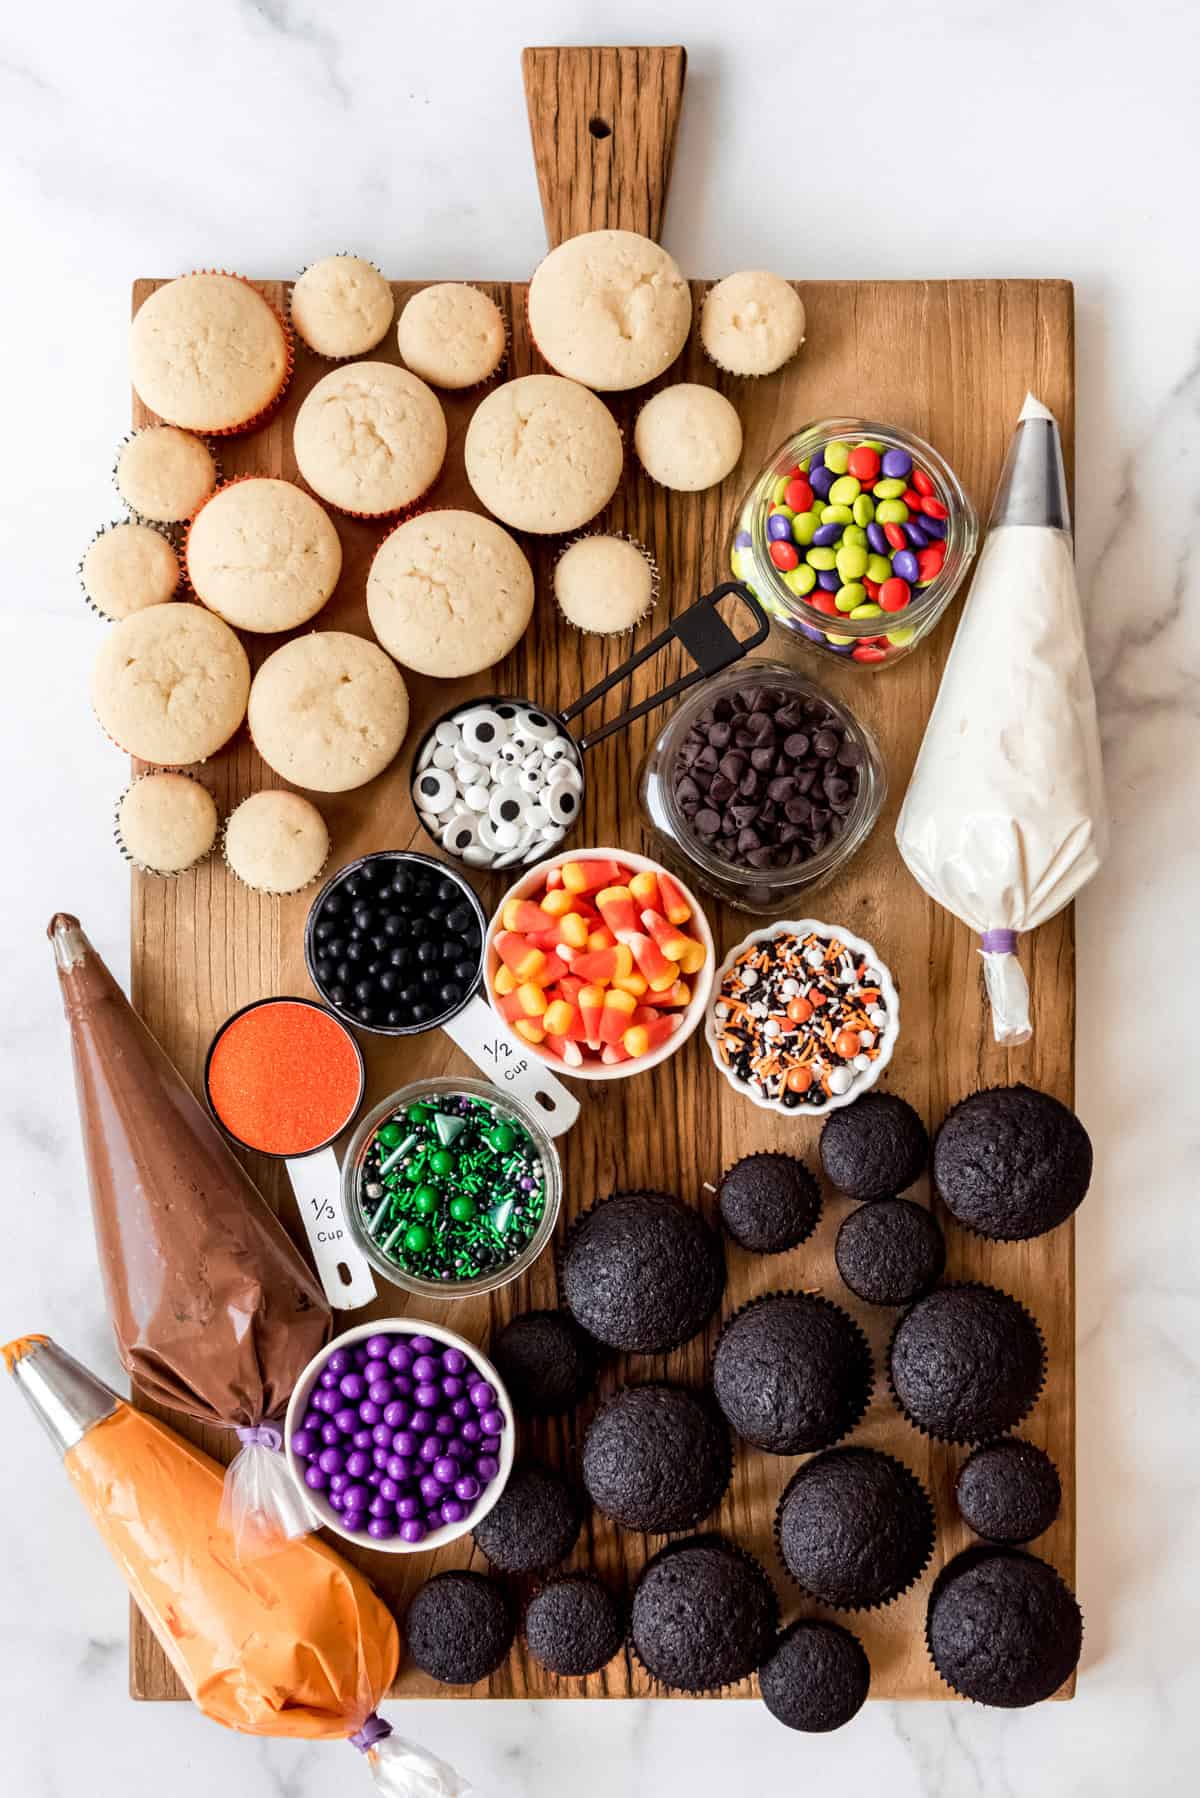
pixel 276 842
pixel 752 323
pixel 263 555
pixel 370 439
pixel 688 437
pixel 208 352
pixel 328 711
pixel 543 454
pixel 452 335
pixel 170 685
pixel 609 309
pixel 342 306
pixel 163 474
pixel 128 567
pixel 449 593
pixel 605 584
pixel 165 823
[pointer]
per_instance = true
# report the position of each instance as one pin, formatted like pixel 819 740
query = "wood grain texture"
pixel 950 360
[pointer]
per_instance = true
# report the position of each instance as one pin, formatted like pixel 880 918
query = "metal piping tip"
pixel 65 1398
pixel 1033 482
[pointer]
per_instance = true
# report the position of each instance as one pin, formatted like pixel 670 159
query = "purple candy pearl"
pixel 399 1357
pixel 381 1455
pixel 408 1507
pixel 370 1412
pixel 432 1489
pixel 357 1498
pixel 462 1408
pixel 304 1443
pixel 412 1530
pixel 339 1481
pixel 467 1488
pixel 379 1506
pixel 487 1467
pixel 361 1438
pixel 381 1392
pixel 425 1368
pixel 447 1470
pixel 354 1520
pixel 324 1402
pixel 427 1394
pixel 352 1386
pixel 316 1477
pixel 374 1478
pixel 421 1421
pixel 470 1431
pixel 330 1434
pixel 377 1347
pixel 337 1500
pixel 358 1464
pixel 446 1424
pixel 452 1386
pixel 422 1345
pixel 381 1528
pixel 452 1511
pixel 493 1422
pixel 406 1442
pixel 481 1395
pixel 346 1420
pixel 339 1361
pixel 399 1467
pixel 454 1361
pixel 430 1449
pixel 328 1378
pixel 489 1445
pixel 382 1435
pixel 389 1489
pixel 397 1414
pixel 331 1460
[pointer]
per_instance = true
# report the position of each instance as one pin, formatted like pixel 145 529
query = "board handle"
pixel 603 123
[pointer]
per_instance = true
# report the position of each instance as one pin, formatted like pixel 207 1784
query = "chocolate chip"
pixel 762 760
pixel 796 745
pixel 719 734
pixel 707 822
pixel 850 755
pixel 750 784
pixel 748 839
pixel 782 788
pixel 721 788
pixel 732 765
pixel 798 810
pixel 686 789
pixel 707 758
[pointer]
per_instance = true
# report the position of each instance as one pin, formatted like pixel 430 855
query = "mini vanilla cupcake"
pixel 170 685
pixel 688 437
pixel 609 309
pixel 164 474
pixel 370 439
pixel 208 352
pixel 449 593
pixel 605 584
pixel 752 323
pixel 342 306
pixel 543 454
pixel 452 335
pixel 328 711
pixel 276 842
pixel 128 567
pixel 165 823
pixel 263 555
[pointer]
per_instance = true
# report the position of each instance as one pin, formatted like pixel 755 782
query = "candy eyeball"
pixel 482 731
pixel 435 790
pixel 562 803
pixel 530 780
pixel 556 748
pixel 535 728
pixel 460 835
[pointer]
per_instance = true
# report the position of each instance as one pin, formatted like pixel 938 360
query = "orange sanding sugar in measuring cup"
pixel 284 1076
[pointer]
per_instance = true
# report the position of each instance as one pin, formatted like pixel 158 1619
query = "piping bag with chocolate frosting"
pixel 297 1645
pixel 215 1312
pixel 1004 818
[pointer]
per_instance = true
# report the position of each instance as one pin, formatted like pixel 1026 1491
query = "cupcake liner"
pixel 626 537
pixel 476 387
pixel 267 412
pixel 960 1563
pixel 181 585
pixel 713 1539
pixel 990 1431
pixel 733 373
pixel 877 1604
pixel 176 531
pixel 563 1248
pixel 863 1399
pixel 141 867
pixel 321 356
pixel 714 1411
pixel 768 1155
pixel 263 891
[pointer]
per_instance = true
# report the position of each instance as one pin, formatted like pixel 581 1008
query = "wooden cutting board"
pixel 949 359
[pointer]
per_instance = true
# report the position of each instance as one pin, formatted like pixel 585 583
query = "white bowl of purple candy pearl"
pixel 400 1435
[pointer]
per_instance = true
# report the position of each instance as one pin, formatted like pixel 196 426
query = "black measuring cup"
pixel 534 763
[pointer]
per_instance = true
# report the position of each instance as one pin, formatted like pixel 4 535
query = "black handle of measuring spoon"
pixel 706 638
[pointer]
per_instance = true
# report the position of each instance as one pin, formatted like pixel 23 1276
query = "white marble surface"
pixel 1038 137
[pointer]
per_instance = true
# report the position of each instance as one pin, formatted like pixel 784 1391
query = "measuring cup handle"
pixel 480 1034
pixel 343 1269
pixel 707 640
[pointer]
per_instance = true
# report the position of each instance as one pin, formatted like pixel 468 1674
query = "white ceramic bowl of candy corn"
pixel 600 962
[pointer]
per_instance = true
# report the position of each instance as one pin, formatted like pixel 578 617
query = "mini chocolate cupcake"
pixel 459 1627
pixel 704 1615
pixel 875 1147
pixel 1011 1163
pixel 545 1360
pixel 534 1522
pixel 642 1272
pixel 769 1203
pixel 1002 1627
pixel 854 1528
pixel 792 1372
pixel 1009 1491
pixel 656 1458
pixel 890 1251
pixel 965 1363
pixel 573 1625
pixel 816 1678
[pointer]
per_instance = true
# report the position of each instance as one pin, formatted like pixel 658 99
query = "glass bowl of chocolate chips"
pixel 762 785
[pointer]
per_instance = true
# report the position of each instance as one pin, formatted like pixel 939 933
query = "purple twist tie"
pixel 373 1730
pixel 999 942
pixel 260 1435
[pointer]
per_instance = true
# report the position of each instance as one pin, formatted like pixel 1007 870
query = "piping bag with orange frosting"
pixel 215 1312
pixel 297 1645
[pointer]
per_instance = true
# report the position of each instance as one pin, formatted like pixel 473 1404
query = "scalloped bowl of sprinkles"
pixel 804 1017
pixel 451 1187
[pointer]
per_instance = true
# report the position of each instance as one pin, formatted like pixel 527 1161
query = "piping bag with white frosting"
pixel 1004 818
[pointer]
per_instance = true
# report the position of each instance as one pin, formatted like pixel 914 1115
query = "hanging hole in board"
pixel 344 1274
pixel 599 127
pixel 545 1101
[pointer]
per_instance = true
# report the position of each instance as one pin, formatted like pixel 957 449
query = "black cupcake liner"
pixel 563 1249
pixel 990 1431
pixel 714 1411
pixel 709 1539
pixel 970 1557
pixel 647 556
pixel 815 1298
pixel 173 531
pixel 877 1604
pixel 771 1155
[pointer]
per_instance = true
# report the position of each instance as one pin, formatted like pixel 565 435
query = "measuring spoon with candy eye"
pixel 498 782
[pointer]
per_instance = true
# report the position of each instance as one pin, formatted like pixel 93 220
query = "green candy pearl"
pixel 417 1114
pixel 501 1139
pixel 416 1239
pixel 462 1209
pixel 441 1162
pixel 390 1135
pixel 425 1200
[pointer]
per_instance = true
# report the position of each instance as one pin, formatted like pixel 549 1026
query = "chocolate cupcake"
pixel 1011 1163
pixel 792 1372
pixel 854 1528
pixel 704 1615
pixel 816 1677
pixel 890 1251
pixel 769 1203
pixel 1009 1491
pixel 642 1272
pixel 573 1625
pixel 966 1363
pixel 459 1627
pixel 656 1458
pixel 875 1147
pixel 545 1360
pixel 1002 1627
pixel 534 1522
